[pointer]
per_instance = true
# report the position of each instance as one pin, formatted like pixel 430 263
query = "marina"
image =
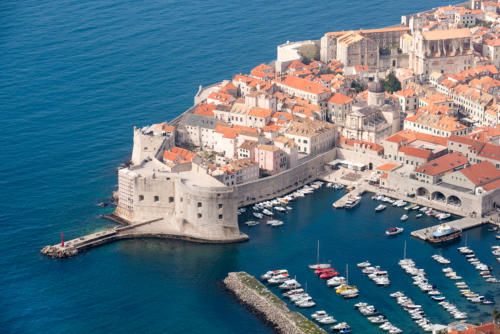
pixel 463 224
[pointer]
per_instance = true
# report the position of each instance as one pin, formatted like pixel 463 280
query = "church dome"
pixel 376 87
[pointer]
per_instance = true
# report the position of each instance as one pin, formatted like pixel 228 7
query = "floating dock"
pixel 464 224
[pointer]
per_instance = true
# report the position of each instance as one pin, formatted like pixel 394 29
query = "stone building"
pixel 443 51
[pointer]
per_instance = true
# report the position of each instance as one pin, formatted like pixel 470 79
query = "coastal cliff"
pixel 267 306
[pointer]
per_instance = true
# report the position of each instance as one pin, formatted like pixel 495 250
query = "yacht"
pixel 279 208
pixel 443 216
pixel 274 223
pixel 272 273
pixel 363 264
pixel 445 233
pixel 403 218
pixel 352 202
pixel 419 215
pixel 290 284
pixel 380 207
pixel 293 292
pixel 342 327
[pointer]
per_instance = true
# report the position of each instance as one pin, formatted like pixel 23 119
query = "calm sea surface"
pixel 75 76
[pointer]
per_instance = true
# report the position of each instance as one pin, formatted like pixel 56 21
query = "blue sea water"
pixel 75 76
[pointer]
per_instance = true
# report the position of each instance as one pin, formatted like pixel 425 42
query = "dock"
pixel 340 203
pixel 464 224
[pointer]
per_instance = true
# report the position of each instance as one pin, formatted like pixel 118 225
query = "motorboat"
pixel 443 216
pixel 278 279
pixel 293 292
pixel 419 215
pixel 404 218
pixel 363 264
pixel 279 208
pixel 380 207
pixel 336 281
pixel 319 314
pixel 258 215
pixel 394 231
pixel 267 212
pixel 328 274
pixel 328 320
pixel 438 298
pixel 274 223
pixel 272 273
pixel 342 327
pixel 290 284
pixel 252 223
pixel 352 202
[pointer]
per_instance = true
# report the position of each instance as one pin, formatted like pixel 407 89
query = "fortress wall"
pixel 285 182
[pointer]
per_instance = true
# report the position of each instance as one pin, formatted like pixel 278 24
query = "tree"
pixel 496 316
pixel 310 52
pixel 391 83
pixel 357 86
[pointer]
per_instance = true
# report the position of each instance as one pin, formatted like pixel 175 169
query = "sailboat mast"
pixel 347 273
pixel 404 252
pixel 317 255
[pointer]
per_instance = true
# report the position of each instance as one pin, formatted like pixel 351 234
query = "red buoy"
pixel 62 239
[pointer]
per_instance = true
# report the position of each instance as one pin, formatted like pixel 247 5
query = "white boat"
pixel 403 218
pixel 336 281
pixel 419 215
pixel 272 273
pixel 319 265
pixel 252 223
pixel 326 320
pixel 293 292
pixel 258 215
pixel 443 216
pixel 267 212
pixel 279 208
pixel 274 223
pixel 394 231
pixel 363 264
pixel 352 202
pixel 380 207
pixel 290 284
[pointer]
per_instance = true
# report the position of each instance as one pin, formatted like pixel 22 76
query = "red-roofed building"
pixel 177 156
pixel 205 109
pixel 263 72
pixel 339 105
pixel 408 99
pixel 474 177
pixel 306 89
pixel 220 98
pixel 259 117
pixel 362 147
pixel 433 171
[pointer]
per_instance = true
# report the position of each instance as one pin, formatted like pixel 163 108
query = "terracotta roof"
pixel 387 167
pixel 260 112
pixel 338 98
pixel 435 35
pixel 410 136
pixel 481 173
pixel 445 163
pixel 271 148
pixel 490 151
pixel 302 84
pixel 415 152
pixel 405 93
pixel 178 155
pixel 205 109
pixel 248 145
pixel 362 143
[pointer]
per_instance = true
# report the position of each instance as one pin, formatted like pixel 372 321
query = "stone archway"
pixel 422 192
pixel 438 196
pixel 454 200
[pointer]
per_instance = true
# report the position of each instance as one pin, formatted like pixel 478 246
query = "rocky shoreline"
pixel 267 306
pixel 59 252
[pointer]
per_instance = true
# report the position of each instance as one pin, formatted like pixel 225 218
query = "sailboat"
pixel 319 265
pixel 345 290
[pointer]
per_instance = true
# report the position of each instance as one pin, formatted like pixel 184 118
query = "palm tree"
pixel 496 316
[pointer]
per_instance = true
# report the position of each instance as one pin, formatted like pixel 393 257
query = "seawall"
pixel 267 306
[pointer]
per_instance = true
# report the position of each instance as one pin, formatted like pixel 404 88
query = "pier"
pixel 340 203
pixel 463 224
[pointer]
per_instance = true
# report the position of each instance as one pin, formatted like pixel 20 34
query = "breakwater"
pixel 267 306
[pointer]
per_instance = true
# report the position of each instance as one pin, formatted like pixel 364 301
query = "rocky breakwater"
pixel 267 306
pixel 58 251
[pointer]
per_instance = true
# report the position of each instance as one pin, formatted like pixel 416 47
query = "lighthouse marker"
pixel 62 239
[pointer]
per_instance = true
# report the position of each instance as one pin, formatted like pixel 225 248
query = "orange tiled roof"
pixel 338 98
pixel 205 109
pixel 387 167
pixel 481 173
pixel 260 112
pixel 445 163
pixel 302 84
pixel 365 144
pixel 405 93
pixel 415 152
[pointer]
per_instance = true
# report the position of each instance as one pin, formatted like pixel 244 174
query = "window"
pixel 220 216
pixel 141 197
pixel 170 199
pixel 220 206
pixel 199 215
pixel 199 204
pixel 157 198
